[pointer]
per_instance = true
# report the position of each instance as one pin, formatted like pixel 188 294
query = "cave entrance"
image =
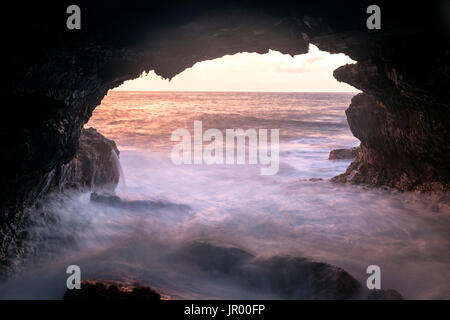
pixel 251 92
pixel 290 212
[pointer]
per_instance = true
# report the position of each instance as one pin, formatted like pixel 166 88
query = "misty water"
pixel 348 226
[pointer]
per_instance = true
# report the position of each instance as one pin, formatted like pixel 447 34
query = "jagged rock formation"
pixel 56 77
pixel 403 130
pixel 94 167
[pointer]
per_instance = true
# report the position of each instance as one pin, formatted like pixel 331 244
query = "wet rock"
pixel 339 154
pixel 224 259
pixel 95 166
pixel 287 277
pixel 299 278
pixel 104 290
pixel 138 205
pixel 402 136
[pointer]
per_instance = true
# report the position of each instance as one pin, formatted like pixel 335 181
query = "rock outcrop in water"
pixel 403 130
pixel 339 154
pixel 95 166
pixel 56 77
pixel 287 277
pixel 136 205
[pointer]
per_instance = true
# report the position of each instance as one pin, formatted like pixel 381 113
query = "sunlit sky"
pixel 270 72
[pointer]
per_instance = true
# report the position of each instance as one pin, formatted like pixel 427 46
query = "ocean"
pixel 296 212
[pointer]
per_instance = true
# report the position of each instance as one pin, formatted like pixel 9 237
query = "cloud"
pixel 303 66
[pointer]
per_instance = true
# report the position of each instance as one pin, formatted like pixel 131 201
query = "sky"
pixel 270 72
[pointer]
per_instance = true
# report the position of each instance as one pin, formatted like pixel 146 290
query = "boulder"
pixel 224 259
pixel 286 276
pixel 340 154
pixel 94 167
pixel 300 278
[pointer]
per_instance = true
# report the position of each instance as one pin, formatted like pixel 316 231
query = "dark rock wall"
pixel 403 124
pixel 56 77
pixel 95 167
